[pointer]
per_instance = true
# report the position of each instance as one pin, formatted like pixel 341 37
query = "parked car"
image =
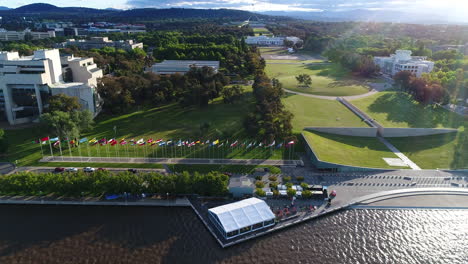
pixel 132 170
pixel 58 169
pixel 71 169
pixel 88 169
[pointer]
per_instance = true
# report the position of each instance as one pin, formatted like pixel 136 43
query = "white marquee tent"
pixel 242 217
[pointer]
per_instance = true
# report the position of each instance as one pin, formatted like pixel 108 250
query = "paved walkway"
pixel 171 160
pixel 6 167
pixel 399 154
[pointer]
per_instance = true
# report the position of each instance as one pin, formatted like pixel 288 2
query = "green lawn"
pixel 165 122
pixel 395 109
pixel 347 150
pixel 449 151
pixel 327 79
pixel 293 61
pixel 310 111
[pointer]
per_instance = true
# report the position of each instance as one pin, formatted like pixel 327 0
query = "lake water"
pixel 65 234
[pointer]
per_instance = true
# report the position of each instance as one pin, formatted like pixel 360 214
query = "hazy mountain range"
pixel 51 11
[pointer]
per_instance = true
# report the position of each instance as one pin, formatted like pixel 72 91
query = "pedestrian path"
pixel 399 154
pixel 170 160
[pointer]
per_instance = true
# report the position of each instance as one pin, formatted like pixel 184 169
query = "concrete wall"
pixel 413 132
pixel 346 131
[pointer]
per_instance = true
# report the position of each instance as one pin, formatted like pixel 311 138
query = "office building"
pixel 27 82
pixel 403 61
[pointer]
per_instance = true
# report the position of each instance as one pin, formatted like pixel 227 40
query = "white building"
pixel 27 82
pixel 270 41
pixel 100 42
pixel 20 35
pixel 241 217
pixel 168 67
pixel 403 61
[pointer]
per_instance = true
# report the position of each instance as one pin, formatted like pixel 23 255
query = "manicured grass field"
pixel 327 79
pixel 293 61
pixel 355 151
pixel 310 111
pixel 395 109
pixel 165 122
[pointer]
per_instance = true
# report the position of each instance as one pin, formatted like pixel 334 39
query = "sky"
pixel 457 9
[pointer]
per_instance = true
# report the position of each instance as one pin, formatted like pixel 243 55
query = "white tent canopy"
pixel 242 214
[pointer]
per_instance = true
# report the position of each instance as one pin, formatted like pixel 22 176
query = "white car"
pixel 89 169
pixel 71 169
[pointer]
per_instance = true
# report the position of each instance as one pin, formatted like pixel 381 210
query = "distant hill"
pixel 364 15
pixel 4 8
pixel 51 11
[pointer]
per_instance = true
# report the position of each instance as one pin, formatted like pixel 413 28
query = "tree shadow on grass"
pixel 400 107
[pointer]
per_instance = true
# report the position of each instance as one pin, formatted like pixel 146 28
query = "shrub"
pixel 273 185
pixel 289 185
pixel 275 193
pixel 260 192
pixel 259 184
pixel 286 178
pixel 291 192
pixel 273 178
pixel 304 185
pixel 300 178
pixel 306 194
pixel 274 170
pixel 258 177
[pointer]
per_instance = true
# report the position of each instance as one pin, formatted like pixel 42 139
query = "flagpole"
pixel 50 146
pixel 40 144
pixel 60 148
pixel 79 149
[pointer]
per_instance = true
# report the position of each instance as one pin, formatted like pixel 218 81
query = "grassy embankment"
pixel 394 109
pixel 347 150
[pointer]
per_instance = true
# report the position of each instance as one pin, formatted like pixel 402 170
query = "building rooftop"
pixel 235 216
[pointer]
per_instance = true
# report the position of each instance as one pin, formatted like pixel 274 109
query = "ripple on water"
pixel 32 234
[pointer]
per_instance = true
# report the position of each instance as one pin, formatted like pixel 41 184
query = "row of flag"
pixel 160 142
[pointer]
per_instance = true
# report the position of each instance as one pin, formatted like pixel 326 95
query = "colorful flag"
pixel 197 142
pixel 54 139
pixel 234 144
pixel 140 141
pixel 272 144
pixel 279 145
pixel 149 140
pixel 83 140
pixel 44 139
pixel 159 140
pixel 291 142
pixel 123 142
pixel 216 142
pixel 162 143
pixel 56 143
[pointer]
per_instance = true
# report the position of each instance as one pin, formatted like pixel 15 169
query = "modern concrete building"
pixel 270 41
pixel 27 82
pixel 241 217
pixel 100 42
pixel 168 67
pixel 403 61
pixel 21 35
